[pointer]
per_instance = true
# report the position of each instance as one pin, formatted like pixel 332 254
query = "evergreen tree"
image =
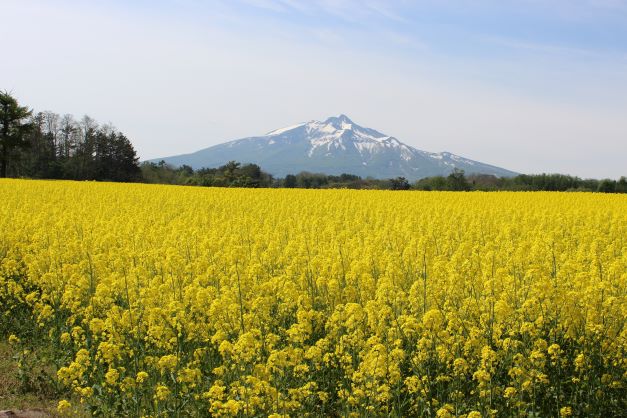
pixel 13 128
pixel 290 181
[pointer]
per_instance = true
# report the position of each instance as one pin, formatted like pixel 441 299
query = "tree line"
pixel 522 182
pixel 234 174
pixel 51 146
pixel 231 174
pixel 47 145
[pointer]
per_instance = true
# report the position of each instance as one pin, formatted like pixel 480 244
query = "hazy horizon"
pixel 528 86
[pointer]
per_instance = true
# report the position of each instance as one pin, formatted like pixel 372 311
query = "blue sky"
pixel 533 86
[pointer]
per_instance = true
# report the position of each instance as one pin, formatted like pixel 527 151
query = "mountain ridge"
pixel 334 146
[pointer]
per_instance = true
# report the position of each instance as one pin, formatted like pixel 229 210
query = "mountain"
pixel 335 146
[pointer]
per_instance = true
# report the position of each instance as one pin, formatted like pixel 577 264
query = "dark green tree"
pixel 399 183
pixel 290 181
pixel 115 158
pixel 229 169
pixel 607 186
pixel 457 180
pixel 13 128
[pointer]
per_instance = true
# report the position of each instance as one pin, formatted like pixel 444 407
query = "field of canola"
pixel 179 301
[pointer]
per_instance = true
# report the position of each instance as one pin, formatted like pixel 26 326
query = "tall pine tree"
pixel 13 128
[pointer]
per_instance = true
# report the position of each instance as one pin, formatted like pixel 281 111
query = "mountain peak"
pixel 333 146
pixel 340 122
pixel 342 118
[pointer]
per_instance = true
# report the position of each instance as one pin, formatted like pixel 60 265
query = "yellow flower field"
pixel 181 301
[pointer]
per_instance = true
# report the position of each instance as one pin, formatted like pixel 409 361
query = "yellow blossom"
pixel 63 407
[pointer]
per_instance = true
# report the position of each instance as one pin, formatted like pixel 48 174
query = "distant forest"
pixel 46 145
pixel 234 174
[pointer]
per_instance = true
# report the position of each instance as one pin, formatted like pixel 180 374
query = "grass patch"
pixel 30 388
pixel 12 395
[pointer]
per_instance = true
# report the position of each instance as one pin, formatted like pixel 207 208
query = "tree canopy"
pixel 14 126
pixel 47 145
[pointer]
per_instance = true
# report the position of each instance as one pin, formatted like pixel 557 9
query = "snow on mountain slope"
pixel 334 146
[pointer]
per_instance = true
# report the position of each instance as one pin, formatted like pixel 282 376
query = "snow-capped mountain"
pixel 334 146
